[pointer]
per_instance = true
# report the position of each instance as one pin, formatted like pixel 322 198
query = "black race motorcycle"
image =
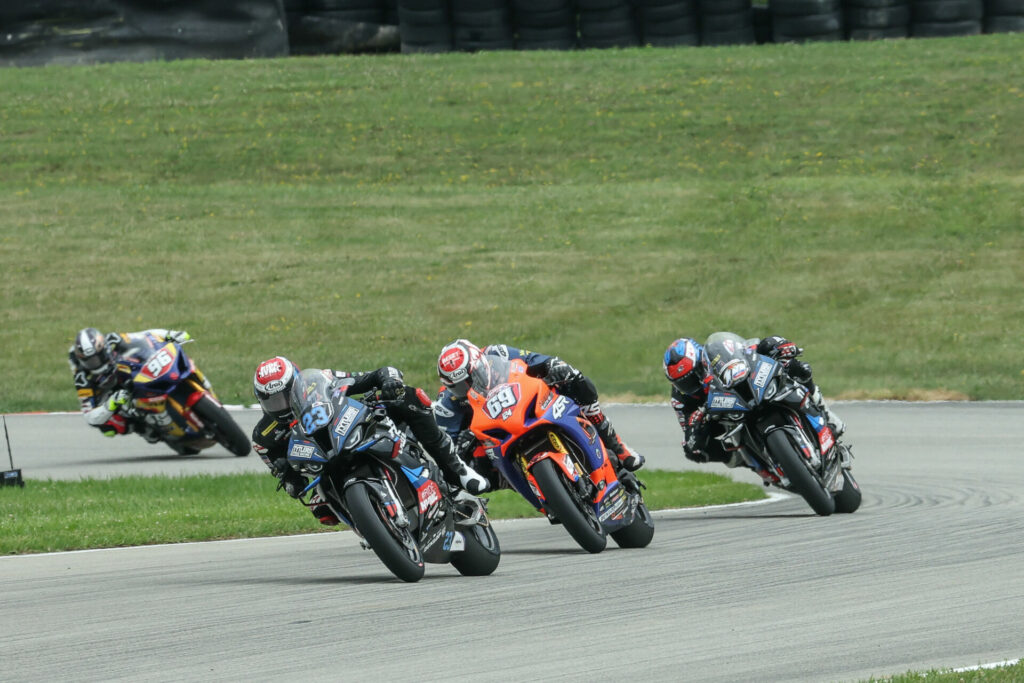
pixel 375 478
pixel 769 424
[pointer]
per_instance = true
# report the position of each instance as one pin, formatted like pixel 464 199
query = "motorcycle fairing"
pixel 537 406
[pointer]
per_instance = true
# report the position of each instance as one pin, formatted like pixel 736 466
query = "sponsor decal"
pixel 345 421
pixel 430 494
pixel 506 414
pixel 763 370
pixel 453 360
pixel 613 507
pixel 826 439
pixel 273 386
pixel 302 452
pixel 270 370
pixel 720 401
pixel 441 411
pixel 557 410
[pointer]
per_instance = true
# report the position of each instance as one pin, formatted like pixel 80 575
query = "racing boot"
pixel 455 470
pixel 834 421
pixel 628 458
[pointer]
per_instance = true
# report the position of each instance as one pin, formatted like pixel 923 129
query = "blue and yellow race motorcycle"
pixel 172 400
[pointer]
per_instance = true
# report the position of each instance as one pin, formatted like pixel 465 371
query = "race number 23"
pixel 504 398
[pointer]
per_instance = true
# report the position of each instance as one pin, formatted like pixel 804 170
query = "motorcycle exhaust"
pixel 11 477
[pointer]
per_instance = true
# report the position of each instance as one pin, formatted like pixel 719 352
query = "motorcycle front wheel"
pixel 482 553
pixel 224 428
pixel 848 500
pixel 575 514
pixel 802 482
pixel 639 533
pixel 395 546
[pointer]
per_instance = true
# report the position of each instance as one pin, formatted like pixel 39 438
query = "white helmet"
pixel 272 384
pixel 455 366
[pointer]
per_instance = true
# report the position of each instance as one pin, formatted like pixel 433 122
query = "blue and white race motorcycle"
pixel 770 425
pixel 375 478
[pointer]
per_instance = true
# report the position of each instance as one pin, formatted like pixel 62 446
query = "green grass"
pixel 47 516
pixel 861 198
pixel 1014 673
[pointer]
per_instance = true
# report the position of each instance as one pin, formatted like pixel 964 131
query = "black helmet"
pixel 272 385
pixel 91 352
pixel 684 366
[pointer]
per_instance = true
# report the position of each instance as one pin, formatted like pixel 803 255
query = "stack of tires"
pixel 939 18
pixel 668 23
pixel 726 22
pixel 482 25
pixel 425 26
pixel 544 24
pixel 799 21
pixel 1004 16
pixel 606 23
pixel 876 19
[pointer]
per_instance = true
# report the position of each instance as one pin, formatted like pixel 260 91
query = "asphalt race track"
pixel 928 573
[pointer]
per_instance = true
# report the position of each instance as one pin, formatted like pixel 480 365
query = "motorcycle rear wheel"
pixel 482 553
pixel 225 429
pixel 802 482
pixel 848 500
pixel 639 533
pixel 575 514
pixel 395 546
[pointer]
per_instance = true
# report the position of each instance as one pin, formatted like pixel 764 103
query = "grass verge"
pixel 1011 673
pixel 861 198
pixel 48 516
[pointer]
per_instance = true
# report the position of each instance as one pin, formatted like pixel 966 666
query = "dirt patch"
pixel 904 395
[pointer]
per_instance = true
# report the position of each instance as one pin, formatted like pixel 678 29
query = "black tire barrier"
pixel 938 11
pixel 481 25
pixel 802 8
pixel 668 23
pixel 425 26
pixel 880 33
pixel 878 17
pixel 321 34
pixel 945 29
pixel 38 32
pixel 1004 8
pixel 74 31
pixel 944 18
pixel 711 7
pixel 544 24
pixel 607 28
pixel 762 24
pixel 997 24
pixel 726 22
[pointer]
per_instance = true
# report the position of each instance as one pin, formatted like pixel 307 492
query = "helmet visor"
pixel 458 389
pixel 691 383
pixel 94 363
pixel 276 404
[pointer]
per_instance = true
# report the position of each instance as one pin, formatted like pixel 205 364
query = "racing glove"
pixel 392 389
pixel 118 399
pixel 778 348
pixel 291 481
pixel 178 336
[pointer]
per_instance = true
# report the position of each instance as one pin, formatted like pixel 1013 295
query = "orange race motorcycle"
pixel 553 456
pixel 173 401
